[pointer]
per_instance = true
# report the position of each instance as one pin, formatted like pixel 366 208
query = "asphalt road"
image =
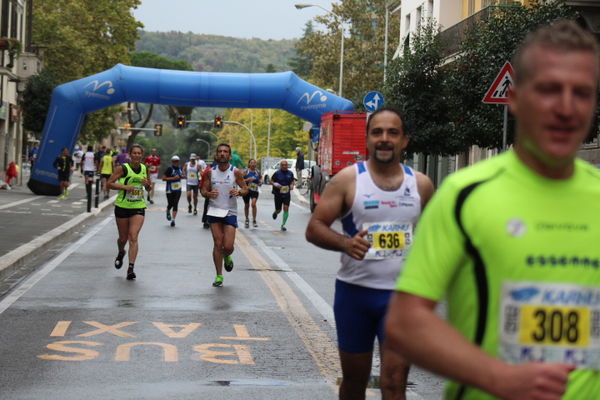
pixel 75 328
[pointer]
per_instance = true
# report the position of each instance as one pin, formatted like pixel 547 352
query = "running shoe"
pixel 205 225
pixel 228 263
pixel 62 196
pixel 66 192
pixel 119 259
pixel 168 215
pixel 254 224
pixel 195 212
pixel 274 214
pixel 151 201
pixel 247 224
pixel 189 209
pixel 218 281
pixel 283 228
pixel 173 223
pixel 130 274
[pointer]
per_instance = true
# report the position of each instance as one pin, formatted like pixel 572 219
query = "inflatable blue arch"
pixel 72 101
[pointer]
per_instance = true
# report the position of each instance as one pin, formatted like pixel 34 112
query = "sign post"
pixel 372 101
pixel 498 94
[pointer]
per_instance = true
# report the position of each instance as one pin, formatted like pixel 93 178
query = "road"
pixel 75 328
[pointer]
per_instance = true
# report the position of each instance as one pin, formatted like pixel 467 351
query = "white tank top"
pixel 88 162
pixel 224 181
pixel 390 217
pixel 192 172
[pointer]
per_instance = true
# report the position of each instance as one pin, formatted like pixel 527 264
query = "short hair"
pixel 90 148
pixel 562 35
pixel 224 144
pixel 135 145
pixel 388 109
pixel 250 160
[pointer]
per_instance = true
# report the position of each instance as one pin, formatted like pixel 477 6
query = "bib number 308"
pixel 555 325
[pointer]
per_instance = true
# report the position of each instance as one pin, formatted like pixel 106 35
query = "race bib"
pixel 192 175
pixel 284 189
pixel 217 212
pixel 136 194
pixel 550 322
pixel 388 239
pixel 253 187
pixel 152 169
pixel 175 185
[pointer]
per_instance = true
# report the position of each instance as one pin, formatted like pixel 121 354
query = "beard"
pixel 387 160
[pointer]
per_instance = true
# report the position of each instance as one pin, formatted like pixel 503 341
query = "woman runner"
pixel 130 206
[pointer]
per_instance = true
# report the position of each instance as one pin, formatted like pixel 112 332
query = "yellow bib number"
pixel 176 185
pixel 284 189
pixel 554 326
pixel 136 194
pixel 253 187
pixel 388 241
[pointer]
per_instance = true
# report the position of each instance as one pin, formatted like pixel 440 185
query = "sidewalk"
pixel 29 223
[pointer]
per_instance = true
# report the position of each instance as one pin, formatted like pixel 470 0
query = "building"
pixel 18 61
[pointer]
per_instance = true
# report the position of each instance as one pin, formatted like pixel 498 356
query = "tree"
pixel 488 45
pixel 83 38
pixel 417 85
pixel 363 47
pixel 302 63
pixel 36 101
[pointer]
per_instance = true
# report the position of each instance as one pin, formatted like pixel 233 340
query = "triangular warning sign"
pixel 498 92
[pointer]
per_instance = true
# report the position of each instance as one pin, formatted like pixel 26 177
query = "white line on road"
pixel 16 203
pixel 49 266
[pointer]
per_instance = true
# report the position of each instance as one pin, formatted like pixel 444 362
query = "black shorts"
pixel 282 200
pixel 192 188
pixel 64 176
pixel 173 200
pixel 250 195
pixel 105 176
pixel 121 212
pixel 89 174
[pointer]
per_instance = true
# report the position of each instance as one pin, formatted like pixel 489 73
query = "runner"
pixel 192 172
pixel 173 176
pixel 283 184
pixel 89 166
pixel 220 187
pixel 130 206
pixel 63 165
pixel 253 180
pixel 512 244
pixel 107 165
pixel 379 202
pixel 152 162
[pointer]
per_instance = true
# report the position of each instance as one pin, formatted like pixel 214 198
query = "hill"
pixel 213 53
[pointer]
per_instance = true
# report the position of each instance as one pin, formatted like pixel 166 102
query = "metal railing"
pixel 455 35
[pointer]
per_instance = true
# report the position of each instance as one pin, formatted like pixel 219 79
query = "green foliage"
pixel 36 101
pixel 363 47
pixel 83 38
pixel 302 63
pixel 218 53
pixel 152 60
pixel 442 98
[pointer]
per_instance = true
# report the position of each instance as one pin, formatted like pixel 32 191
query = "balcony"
pixel 590 13
pixel 454 35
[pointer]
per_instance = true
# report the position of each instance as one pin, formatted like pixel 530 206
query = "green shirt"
pixel 518 257
pixel 134 198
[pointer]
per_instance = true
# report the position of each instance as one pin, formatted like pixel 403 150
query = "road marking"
pixel 318 344
pixel 16 203
pixel 50 265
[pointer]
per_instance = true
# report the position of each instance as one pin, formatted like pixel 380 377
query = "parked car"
pixel 268 173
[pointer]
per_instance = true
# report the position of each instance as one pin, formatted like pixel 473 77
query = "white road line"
pixel 16 203
pixel 49 266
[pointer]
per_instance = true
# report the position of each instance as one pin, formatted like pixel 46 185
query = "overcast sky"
pixel 264 19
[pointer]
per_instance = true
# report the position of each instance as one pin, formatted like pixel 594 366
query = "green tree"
pixel 36 101
pixel 83 38
pixel 488 45
pixel 302 63
pixel 363 47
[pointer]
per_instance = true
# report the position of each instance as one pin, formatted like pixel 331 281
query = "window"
pixel 4 18
pixel 418 17
pixel 430 9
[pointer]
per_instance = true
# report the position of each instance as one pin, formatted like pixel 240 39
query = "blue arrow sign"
pixel 373 100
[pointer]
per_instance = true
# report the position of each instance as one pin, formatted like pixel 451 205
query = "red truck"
pixel 342 142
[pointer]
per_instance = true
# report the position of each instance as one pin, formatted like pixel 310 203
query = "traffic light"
pixel 158 130
pixel 218 121
pixel 127 128
pixel 181 121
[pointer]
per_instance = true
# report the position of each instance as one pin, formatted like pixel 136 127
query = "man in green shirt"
pixel 513 244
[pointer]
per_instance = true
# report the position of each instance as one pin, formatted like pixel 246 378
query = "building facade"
pixel 18 62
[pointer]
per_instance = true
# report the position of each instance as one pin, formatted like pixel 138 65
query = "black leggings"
pixel 173 200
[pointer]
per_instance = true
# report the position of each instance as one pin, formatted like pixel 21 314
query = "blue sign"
pixel 372 101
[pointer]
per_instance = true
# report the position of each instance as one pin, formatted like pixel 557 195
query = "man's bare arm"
pixel 414 330
pixel 425 187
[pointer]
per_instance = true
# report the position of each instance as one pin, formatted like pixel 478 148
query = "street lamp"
pixel 211 133
pixel 300 6
pixel 208 144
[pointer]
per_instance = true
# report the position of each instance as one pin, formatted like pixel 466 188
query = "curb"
pixel 19 256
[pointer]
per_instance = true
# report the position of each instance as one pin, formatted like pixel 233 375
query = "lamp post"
pixel 300 6
pixel 208 144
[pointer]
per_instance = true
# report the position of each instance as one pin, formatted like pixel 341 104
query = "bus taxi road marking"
pixel 50 265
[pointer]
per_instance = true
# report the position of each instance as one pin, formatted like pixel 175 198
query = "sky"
pixel 263 19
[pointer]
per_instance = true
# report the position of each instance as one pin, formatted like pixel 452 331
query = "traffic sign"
pixel 373 100
pixel 498 92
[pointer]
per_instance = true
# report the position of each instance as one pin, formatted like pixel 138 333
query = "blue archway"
pixel 72 101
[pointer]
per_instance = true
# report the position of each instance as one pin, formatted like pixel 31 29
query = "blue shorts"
pixel 359 316
pixel 228 220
